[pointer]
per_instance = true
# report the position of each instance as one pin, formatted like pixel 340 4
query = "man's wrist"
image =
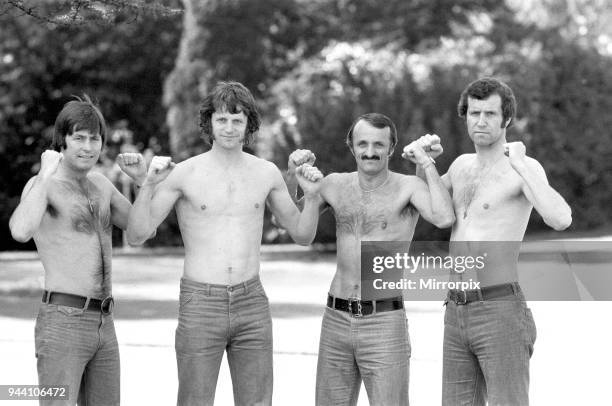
pixel 312 196
pixel 427 163
pixel 140 181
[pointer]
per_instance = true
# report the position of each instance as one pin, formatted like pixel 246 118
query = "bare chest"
pixel 78 209
pixel 368 214
pixel 225 195
pixel 489 194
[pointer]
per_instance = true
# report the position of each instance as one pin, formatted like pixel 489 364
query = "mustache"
pixel 370 157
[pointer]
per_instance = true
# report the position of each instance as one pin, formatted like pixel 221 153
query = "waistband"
pixel 80 302
pixel 358 307
pixel 208 288
pixel 462 297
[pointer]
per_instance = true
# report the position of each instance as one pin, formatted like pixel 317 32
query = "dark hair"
pixel 483 88
pixel 377 120
pixel 76 115
pixel 233 97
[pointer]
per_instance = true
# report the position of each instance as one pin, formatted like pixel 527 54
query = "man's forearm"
pixel 306 225
pixel 292 184
pixel 441 202
pixel 547 201
pixel 29 213
pixel 139 221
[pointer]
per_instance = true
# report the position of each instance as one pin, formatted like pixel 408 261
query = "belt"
pixel 358 307
pixel 461 297
pixel 67 299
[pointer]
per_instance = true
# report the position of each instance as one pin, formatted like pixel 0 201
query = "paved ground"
pixel 570 365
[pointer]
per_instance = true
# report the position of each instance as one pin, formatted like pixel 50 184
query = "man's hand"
pixel 133 165
pixel 298 158
pixel 423 150
pixel 160 168
pixel 516 152
pixel 309 179
pixel 49 162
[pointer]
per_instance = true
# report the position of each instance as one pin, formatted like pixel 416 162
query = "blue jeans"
pixel 487 347
pixel 375 348
pixel 78 348
pixel 215 318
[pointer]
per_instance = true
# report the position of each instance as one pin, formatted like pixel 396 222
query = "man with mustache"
pixel 489 332
pixel 70 211
pixel 220 197
pixel 361 338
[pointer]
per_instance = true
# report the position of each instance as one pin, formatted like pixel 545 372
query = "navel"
pixel 485 206
pixel 203 207
pixel 384 225
pixel 257 205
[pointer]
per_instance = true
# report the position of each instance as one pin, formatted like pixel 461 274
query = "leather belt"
pixel 461 297
pixel 67 299
pixel 358 307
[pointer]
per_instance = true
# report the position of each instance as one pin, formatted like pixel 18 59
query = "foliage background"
pixel 314 65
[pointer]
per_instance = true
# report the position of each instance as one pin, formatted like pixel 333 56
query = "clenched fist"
pixel 160 168
pixel 309 178
pixel 423 150
pixel 300 157
pixel 49 162
pixel 516 152
pixel 133 165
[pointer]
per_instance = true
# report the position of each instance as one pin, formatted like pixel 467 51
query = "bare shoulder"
pixel 335 180
pixel 405 185
pixel 28 185
pixel 182 170
pixel 461 162
pixel 101 182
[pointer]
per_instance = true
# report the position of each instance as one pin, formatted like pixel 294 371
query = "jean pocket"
pixel 259 291
pixel 531 327
pixel 185 298
pixel 70 311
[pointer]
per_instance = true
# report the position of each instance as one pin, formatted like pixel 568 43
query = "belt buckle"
pixel 106 307
pixel 359 311
pixel 458 301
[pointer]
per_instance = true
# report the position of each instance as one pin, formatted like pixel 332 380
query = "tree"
pixel 42 66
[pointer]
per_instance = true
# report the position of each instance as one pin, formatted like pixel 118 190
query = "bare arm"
pixel 155 200
pixel 26 218
pixel 431 199
pixel 547 201
pixel 133 165
pixel 302 226
pixel 120 208
pixel 296 159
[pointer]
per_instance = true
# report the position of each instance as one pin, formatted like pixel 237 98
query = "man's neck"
pixel 371 181
pixel 226 157
pixel 490 154
pixel 70 174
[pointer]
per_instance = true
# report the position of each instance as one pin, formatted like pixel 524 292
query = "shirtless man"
pixel 220 198
pixel 361 339
pixel 69 211
pixel 489 332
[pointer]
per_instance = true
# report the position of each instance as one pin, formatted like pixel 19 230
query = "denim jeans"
pixel 375 348
pixel 487 347
pixel 215 318
pixel 78 348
